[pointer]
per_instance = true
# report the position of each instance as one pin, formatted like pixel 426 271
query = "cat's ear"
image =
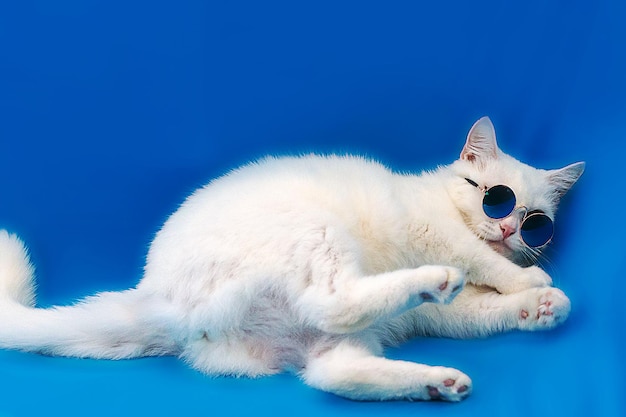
pixel 480 145
pixel 563 179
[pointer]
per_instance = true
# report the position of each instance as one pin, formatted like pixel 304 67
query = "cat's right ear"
pixel 563 179
pixel 480 145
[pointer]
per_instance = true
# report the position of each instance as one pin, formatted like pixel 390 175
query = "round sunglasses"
pixel 499 201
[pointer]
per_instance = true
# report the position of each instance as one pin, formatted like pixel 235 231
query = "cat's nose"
pixel 507 229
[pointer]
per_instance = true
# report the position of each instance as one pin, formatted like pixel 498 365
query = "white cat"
pixel 314 265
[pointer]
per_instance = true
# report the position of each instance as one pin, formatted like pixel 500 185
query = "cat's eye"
pixel 499 201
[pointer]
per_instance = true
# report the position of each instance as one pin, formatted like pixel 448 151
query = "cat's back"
pixel 326 171
pixel 314 181
pixel 285 193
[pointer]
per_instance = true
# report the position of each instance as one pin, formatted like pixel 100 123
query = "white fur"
pixel 313 265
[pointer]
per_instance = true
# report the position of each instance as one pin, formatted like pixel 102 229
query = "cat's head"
pixel 483 165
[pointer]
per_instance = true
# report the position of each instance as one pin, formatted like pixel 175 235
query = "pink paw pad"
pixel 435 394
pixel 543 309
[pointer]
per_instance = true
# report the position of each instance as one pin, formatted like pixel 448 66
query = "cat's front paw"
pixel 543 308
pixel 439 284
pixel 531 277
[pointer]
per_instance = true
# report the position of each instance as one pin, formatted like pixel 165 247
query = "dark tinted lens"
pixel 537 230
pixel 499 201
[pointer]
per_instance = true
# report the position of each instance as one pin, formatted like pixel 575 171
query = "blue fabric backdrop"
pixel 111 112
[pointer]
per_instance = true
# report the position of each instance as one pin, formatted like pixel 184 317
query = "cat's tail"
pixel 112 325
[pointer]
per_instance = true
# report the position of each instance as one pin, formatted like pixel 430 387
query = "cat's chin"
pixel 502 248
pixel 505 250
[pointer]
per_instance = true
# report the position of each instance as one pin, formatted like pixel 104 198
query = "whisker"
pixel 547 264
pixel 480 232
pixel 530 255
pixel 539 258
pixel 484 231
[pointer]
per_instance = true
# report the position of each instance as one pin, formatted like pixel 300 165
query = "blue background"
pixel 111 112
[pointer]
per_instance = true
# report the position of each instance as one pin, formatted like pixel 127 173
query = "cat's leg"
pixel 340 298
pixel 482 264
pixel 355 302
pixel 478 312
pixel 352 371
pixel 229 356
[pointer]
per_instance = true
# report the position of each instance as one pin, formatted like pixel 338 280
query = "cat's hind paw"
pixel 544 308
pixel 450 385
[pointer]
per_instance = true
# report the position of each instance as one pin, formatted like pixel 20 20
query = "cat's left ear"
pixel 563 179
pixel 480 145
